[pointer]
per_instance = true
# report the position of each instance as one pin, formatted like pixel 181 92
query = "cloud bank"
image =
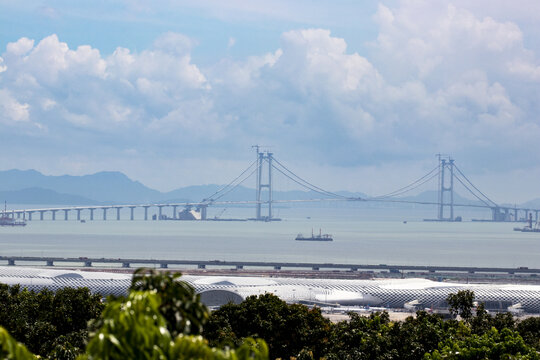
pixel 448 81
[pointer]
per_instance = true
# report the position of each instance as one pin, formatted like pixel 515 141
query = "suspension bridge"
pixel 447 174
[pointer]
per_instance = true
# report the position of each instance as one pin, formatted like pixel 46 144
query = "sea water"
pixel 361 236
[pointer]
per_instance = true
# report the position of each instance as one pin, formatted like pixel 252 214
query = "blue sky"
pixel 357 96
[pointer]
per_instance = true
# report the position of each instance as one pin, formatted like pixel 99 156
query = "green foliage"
pixel 49 324
pixel 529 329
pixel 289 330
pixel 11 349
pixel 421 334
pixel 162 318
pixel 363 338
pixel 135 329
pixel 461 304
pixel 180 305
pixel 492 345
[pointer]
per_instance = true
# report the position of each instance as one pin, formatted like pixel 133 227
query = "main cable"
pixel 235 186
pixel 475 195
pixel 210 198
pixel 487 198
pixel 298 182
pixel 309 185
pixel 405 188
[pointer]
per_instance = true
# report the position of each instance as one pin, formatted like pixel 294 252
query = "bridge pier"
pixel 146 212
pixel 66 211
pixel 11 262
pixel 30 215
pixel 174 211
pixel 50 263
pixel 18 215
pixel 78 214
pixel 160 211
pixel 88 263
pixel 54 214
pixel 41 212
pixel 203 209
pixel 118 213
pixel 105 213
pixel 132 210
pixel 91 213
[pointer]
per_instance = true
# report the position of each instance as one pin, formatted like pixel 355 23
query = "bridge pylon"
pixel 263 156
pixel 446 192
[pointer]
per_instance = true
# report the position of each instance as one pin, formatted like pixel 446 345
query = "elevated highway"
pixel 275 265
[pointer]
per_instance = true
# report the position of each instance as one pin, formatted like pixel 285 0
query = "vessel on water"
pixel 7 220
pixel 530 227
pixel 313 237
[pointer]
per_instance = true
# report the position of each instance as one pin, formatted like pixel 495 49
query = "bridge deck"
pixel 164 263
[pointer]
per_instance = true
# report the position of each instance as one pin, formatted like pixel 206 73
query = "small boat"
pixel 535 228
pixel 530 227
pixel 320 237
pixel 7 220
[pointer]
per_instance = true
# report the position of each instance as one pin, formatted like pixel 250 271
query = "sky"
pixel 352 95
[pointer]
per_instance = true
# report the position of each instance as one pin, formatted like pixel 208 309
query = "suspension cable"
pixel 299 183
pixel 210 198
pixel 235 186
pixel 475 195
pixel 488 199
pixel 406 188
pixel 410 189
pixel 308 184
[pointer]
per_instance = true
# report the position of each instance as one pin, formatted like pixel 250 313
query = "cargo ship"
pixel 313 237
pixel 6 220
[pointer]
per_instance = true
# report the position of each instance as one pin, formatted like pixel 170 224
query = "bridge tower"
pixel 446 192
pixel 263 156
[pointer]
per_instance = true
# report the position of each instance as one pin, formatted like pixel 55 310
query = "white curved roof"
pixel 388 292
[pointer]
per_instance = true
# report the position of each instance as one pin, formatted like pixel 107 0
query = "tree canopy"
pixel 163 318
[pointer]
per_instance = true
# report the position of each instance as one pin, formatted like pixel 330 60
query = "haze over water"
pixel 360 237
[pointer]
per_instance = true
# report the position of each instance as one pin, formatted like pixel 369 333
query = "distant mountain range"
pixel 110 187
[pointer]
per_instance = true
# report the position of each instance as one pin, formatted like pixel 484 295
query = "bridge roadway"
pixel 499 213
pixel 203 264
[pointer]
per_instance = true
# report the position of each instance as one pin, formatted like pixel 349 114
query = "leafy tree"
pixel 482 322
pixel 362 338
pixel 11 349
pixel 504 320
pixel 135 329
pixel 529 329
pixel 180 305
pixel 493 345
pixel 289 330
pixel 419 335
pixel 461 304
pixel 50 324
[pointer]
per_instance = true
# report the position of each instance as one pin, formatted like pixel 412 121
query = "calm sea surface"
pixel 361 236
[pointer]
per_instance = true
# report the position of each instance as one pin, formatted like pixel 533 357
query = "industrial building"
pixel 411 294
